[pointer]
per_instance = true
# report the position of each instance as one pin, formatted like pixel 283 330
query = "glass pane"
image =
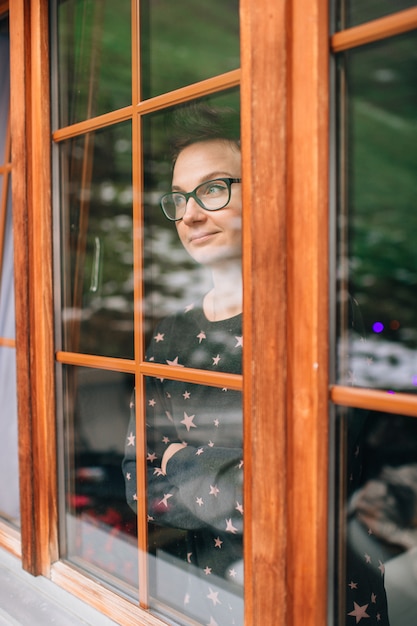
pixel 378 218
pixel 97 243
pixel 9 462
pixel 94 58
pixel 187 41
pixel 9 468
pixel 193 304
pixel 173 278
pixel 100 527
pixel 378 504
pixel 353 12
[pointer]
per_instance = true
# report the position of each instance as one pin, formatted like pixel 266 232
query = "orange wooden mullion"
pixel 263 111
pixel 202 88
pixel 307 313
pixel 41 293
pixel 140 406
pixel 389 26
pixel 375 400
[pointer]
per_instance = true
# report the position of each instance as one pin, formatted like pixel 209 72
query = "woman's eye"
pixel 214 189
pixel 178 200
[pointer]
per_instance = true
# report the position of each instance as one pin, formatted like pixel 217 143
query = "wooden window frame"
pixel 285 94
pixel 285 364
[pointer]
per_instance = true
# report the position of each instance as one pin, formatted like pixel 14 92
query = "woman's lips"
pixel 202 237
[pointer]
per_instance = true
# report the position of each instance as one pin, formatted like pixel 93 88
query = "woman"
pixel 194 438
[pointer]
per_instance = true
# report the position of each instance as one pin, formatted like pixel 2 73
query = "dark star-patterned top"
pixel 201 492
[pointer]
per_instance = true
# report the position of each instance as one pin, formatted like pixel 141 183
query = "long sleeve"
pixel 203 482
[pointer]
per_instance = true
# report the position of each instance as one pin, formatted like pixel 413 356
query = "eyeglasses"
pixel 212 195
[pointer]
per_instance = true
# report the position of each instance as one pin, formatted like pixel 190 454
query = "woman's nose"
pixel 193 212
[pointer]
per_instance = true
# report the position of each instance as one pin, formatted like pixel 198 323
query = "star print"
pixel 159 337
pixel 210 444
pixel 216 423
pixel 216 359
pixel 201 336
pixel 224 389
pixel 240 465
pixel 150 518
pixel 152 402
pixel 158 472
pixel 128 476
pixel 164 500
pixel 359 612
pixel 368 558
pixel 188 421
pixel 135 497
pixel 229 527
pixel 199 451
pixel 186 395
pixel 199 501
pixel 373 598
pixel 165 439
pixel 213 596
pixel 232 573
pixel 353 585
pixel 207 570
pixel 214 490
pixel 131 405
pixel 131 440
pixel 239 507
pixel 239 342
pixel 218 543
pixel 378 617
pixel 174 362
pixel 381 567
pixel 351 378
pixel 151 457
pixel 189 307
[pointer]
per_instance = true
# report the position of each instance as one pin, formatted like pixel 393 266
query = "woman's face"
pixel 210 237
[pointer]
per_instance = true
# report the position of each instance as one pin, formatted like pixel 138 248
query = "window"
pixel 376 352
pixel 9 490
pixel 98 268
pixel 122 273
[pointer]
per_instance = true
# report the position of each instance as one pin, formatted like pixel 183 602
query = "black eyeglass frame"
pixel 193 194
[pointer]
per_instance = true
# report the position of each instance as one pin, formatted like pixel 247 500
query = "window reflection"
pixel 100 527
pixel 9 469
pixel 185 42
pixel 378 220
pixel 380 515
pixel 354 12
pixel 94 58
pixel 97 236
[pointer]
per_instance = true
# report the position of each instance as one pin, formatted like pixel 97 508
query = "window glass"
pixel 100 528
pixel 185 42
pixel 378 217
pixel 378 533
pixel 97 242
pixel 173 278
pixel 94 58
pixel 9 470
pixel 193 313
pixel 354 12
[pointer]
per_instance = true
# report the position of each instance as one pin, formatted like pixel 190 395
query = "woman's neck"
pixel 225 299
